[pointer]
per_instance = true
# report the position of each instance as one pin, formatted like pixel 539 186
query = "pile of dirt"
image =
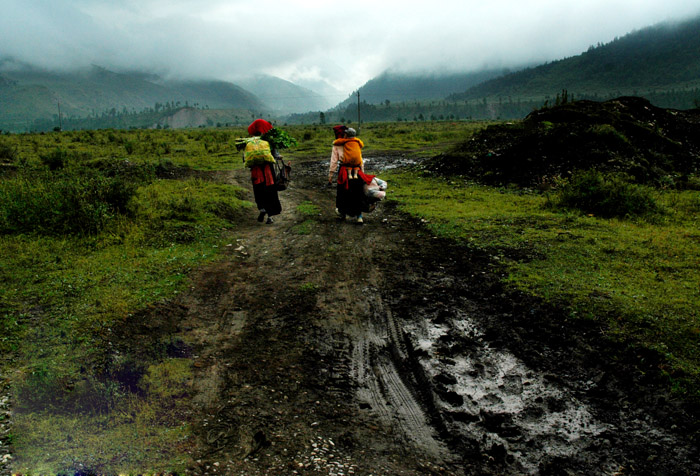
pixel 626 135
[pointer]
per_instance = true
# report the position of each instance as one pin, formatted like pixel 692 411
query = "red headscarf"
pixel 339 131
pixel 258 127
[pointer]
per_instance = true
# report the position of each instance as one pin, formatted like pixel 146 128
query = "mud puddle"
pixel 490 396
pixel 373 165
pixel 517 388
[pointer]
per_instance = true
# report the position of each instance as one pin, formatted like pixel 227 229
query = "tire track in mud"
pixel 334 348
pixel 388 385
pixel 287 374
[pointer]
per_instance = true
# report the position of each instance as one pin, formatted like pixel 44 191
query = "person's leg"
pixel 272 202
pixel 341 201
pixel 260 200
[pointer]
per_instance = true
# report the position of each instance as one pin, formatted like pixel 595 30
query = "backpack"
pixel 257 152
pixel 283 173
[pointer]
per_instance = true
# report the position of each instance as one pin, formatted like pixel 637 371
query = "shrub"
pixel 55 159
pixel 7 153
pixel 61 203
pixel 129 146
pixel 607 196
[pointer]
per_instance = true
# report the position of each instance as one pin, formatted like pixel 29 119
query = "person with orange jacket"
pixel 346 157
pixel 352 152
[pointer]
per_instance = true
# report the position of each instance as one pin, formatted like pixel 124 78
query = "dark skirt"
pixel 266 198
pixel 351 201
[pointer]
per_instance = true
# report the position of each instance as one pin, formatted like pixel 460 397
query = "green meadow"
pixel 98 226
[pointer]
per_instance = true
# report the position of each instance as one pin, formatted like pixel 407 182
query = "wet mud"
pixel 326 347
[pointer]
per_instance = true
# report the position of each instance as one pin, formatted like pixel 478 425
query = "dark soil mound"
pixel 624 135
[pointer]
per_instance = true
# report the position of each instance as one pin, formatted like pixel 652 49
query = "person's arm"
pixel 335 160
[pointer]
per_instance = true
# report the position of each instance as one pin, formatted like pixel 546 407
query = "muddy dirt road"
pixel 326 347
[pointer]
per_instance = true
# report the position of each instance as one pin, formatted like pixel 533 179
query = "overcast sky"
pixel 343 43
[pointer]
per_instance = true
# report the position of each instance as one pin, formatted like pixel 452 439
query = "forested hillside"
pixel 661 63
pixel 402 87
pixel 31 98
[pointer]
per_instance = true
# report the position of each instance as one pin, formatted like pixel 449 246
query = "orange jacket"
pixel 352 151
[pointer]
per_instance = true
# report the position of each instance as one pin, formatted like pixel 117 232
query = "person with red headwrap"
pixel 258 127
pixel 258 156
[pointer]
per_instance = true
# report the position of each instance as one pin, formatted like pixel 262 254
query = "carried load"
pixel 263 148
pixel 376 189
pixel 256 152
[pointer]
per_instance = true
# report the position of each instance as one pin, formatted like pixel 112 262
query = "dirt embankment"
pixel 627 135
pixel 325 347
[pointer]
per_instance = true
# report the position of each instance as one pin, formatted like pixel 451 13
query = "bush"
pixel 129 146
pixel 7 153
pixel 61 203
pixel 607 196
pixel 55 160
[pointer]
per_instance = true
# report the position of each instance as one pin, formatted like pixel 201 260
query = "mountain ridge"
pixel 31 95
pixel 396 86
pixel 663 56
pixel 282 96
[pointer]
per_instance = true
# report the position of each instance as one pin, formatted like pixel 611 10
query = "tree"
pixel 321 117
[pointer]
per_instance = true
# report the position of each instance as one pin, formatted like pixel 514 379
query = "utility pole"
pixel 359 119
pixel 60 124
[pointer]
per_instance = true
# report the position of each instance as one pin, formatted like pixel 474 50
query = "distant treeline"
pixel 501 108
pixel 156 117
pixel 504 108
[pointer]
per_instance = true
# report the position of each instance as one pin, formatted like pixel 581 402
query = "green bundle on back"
pixel 279 139
pixel 263 149
pixel 257 152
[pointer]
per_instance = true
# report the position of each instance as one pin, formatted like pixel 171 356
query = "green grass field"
pixel 139 231
pixel 95 228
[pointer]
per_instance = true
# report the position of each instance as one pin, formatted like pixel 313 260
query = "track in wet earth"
pixel 326 347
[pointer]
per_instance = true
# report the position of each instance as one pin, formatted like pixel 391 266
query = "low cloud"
pixel 315 42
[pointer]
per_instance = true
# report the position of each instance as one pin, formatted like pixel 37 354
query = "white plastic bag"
pixel 376 189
